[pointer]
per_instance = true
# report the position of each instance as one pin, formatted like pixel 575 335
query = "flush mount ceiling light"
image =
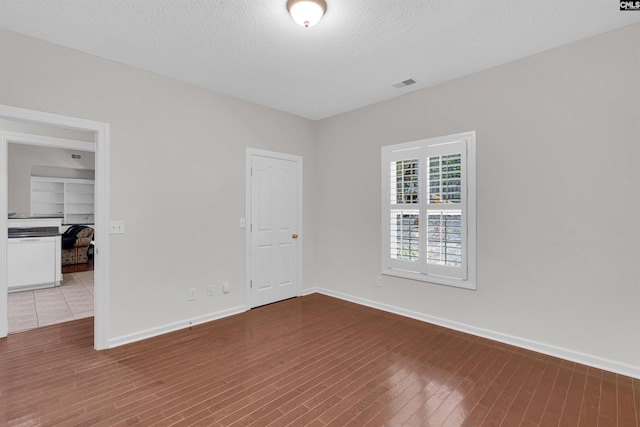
pixel 306 12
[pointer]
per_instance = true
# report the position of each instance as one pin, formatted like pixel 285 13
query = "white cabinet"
pixel 33 263
pixel 70 199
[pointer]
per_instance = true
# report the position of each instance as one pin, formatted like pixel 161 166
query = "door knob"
pixel 294 236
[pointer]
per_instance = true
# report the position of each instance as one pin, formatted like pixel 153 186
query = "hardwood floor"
pixel 75 268
pixel 312 361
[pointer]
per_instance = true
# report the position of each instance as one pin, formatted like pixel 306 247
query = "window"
pixel 428 210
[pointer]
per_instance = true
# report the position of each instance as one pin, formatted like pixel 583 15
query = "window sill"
pixel 438 280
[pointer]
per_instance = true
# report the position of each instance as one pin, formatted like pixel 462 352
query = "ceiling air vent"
pixel 404 83
pixel 76 156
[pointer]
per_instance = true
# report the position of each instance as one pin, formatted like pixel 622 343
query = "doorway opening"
pixel 50 268
pixel 29 127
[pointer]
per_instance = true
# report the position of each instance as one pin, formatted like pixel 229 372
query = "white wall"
pixel 558 149
pixel 176 175
pixel 26 161
pixel 557 139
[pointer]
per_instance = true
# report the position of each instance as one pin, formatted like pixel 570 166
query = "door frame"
pixel 101 237
pixel 249 153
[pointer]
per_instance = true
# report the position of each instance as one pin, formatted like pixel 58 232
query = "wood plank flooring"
pixel 75 268
pixel 309 361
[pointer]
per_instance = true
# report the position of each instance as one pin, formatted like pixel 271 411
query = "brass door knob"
pixel 294 236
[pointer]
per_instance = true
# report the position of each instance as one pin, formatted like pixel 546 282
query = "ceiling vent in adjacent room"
pixel 404 83
pixel 76 156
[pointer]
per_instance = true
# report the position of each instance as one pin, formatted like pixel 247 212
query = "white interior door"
pixel 274 233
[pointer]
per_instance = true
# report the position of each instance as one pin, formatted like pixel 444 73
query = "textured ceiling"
pixel 252 49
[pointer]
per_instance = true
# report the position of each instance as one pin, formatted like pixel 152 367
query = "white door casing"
pixel 274 239
pixel 101 148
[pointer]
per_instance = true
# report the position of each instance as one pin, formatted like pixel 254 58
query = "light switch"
pixel 116 227
pixel 243 223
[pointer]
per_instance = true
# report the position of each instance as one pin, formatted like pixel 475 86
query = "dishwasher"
pixel 33 258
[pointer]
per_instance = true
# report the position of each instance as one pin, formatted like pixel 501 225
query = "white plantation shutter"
pixel 446 209
pixel 403 213
pixel 428 210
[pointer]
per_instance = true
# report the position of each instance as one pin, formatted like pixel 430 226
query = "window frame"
pixel 422 150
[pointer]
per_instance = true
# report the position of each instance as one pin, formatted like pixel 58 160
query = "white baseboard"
pixel 153 332
pixel 563 353
pixel 309 291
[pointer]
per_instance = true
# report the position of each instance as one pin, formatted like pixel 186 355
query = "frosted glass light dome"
pixel 307 13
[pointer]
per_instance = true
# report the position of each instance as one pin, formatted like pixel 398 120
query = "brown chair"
pixel 79 253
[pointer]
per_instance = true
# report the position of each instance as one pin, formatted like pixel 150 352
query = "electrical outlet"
pixel 192 294
pixel 379 281
pixel 210 290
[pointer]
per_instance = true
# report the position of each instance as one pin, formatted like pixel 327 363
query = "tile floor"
pixel 72 300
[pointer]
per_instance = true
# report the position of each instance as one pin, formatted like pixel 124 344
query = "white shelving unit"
pixel 47 197
pixel 71 199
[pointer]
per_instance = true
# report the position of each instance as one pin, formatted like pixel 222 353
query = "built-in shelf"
pixel 70 199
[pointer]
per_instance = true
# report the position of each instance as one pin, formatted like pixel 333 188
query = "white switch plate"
pixel 243 223
pixel 116 227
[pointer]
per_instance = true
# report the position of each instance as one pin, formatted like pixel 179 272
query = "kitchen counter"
pixel 19 232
